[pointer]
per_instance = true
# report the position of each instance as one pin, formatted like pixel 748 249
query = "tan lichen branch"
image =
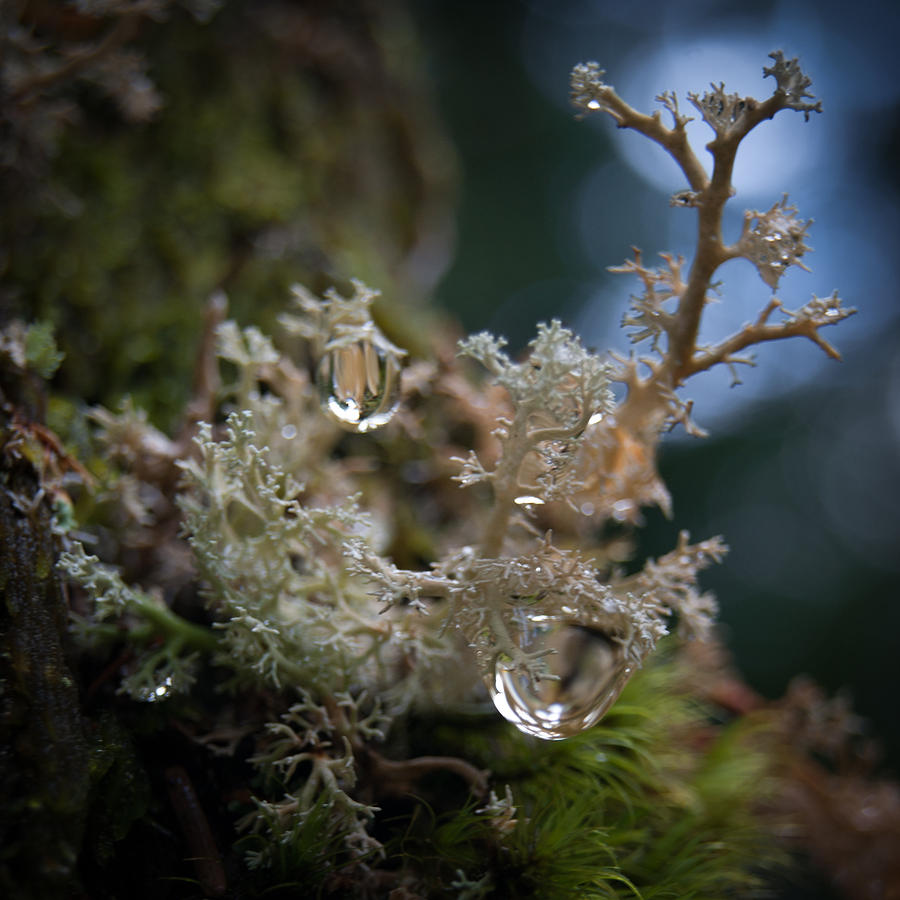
pixel 618 467
pixel 647 314
pixel 711 251
pixel 803 323
pixel 732 118
pixel 590 94
pixel 207 379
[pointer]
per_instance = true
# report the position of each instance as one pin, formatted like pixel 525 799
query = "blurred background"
pixel 801 471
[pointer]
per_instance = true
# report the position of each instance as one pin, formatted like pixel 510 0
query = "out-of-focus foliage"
pixel 289 141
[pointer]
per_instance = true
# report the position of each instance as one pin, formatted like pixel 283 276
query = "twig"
pixel 119 34
pixel 398 777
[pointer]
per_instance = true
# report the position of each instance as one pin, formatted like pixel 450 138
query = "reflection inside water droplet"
pixel 359 385
pixel 622 509
pixel 160 692
pixel 590 672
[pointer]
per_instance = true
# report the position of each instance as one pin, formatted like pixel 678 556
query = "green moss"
pixel 41 353
pixel 631 808
pixel 120 791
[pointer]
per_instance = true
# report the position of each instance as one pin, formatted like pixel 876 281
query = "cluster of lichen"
pixel 304 602
pixel 262 604
pixel 278 564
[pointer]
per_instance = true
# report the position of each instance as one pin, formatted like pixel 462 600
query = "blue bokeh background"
pixel 801 472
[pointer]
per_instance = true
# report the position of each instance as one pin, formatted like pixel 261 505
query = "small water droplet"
pixel 586 673
pixel 528 500
pixel 832 313
pixel 154 694
pixel 359 386
pixel 289 432
pixel 593 104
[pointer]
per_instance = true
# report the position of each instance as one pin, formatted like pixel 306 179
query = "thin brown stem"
pixel 399 777
pixel 119 34
pixel 711 252
pixel 758 333
pixel 673 140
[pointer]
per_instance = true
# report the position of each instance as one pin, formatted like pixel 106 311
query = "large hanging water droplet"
pixel 359 385
pixel 587 672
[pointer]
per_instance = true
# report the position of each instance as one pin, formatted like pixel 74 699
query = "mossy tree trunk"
pixel 44 758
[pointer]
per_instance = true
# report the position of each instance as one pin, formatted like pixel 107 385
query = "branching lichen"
pixel 294 539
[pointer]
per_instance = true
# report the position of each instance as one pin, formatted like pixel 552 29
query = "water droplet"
pixel 832 313
pixel 528 500
pixel 622 510
pixel 593 104
pixel 160 692
pixel 359 385
pixel 289 432
pixel 586 672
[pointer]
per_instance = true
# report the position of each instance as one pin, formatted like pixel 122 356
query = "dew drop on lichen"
pixel 622 509
pixel 161 691
pixel 586 672
pixel 359 386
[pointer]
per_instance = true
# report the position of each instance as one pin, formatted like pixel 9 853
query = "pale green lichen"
pixel 293 559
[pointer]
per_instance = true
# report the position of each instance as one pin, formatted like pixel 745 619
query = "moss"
pixel 120 790
pixel 268 164
pixel 654 802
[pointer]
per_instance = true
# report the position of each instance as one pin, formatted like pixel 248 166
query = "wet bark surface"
pixel 43 751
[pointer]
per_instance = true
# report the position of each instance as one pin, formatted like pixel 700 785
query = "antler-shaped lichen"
pixel 295 547
pixel 669 311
